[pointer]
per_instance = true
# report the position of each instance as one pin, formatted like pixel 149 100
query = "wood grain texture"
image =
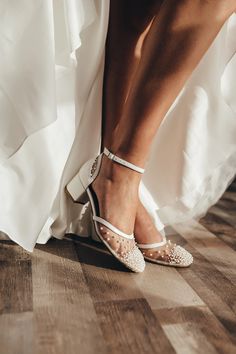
pixel 72 296
pixel 130 326
pixel 212 248
pixel 15 279
pixel 17 334
pixel 163 287
pixel 217 225
pixel 187 338
pixel 65 317
pixel 106 278
pixel 203 320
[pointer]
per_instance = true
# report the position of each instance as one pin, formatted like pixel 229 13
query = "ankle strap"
pixel 122 162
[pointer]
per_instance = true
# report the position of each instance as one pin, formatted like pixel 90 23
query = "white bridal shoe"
pixel 81 191
pixel 166 253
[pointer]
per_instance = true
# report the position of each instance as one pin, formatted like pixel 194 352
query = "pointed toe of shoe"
pixel 134 260
pixel 181 257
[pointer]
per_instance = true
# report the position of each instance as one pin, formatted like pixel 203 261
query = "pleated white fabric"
pixel 51 71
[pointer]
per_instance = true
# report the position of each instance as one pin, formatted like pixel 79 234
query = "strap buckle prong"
pixel 110 155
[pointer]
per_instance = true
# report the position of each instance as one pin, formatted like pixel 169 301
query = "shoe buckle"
pixel 110 156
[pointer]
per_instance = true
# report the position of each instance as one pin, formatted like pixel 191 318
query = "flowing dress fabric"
pixel 51 73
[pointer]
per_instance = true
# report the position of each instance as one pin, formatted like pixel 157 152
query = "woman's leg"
pixel 174 45
pixel 129 23
pixel 176 42
pixel 183 31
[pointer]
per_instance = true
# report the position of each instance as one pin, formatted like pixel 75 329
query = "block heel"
pixel 77 191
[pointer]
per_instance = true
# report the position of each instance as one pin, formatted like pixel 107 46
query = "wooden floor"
pixel 72 297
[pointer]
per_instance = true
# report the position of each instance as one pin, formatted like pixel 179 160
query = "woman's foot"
pixel 116 188
pixel 144 228
pixel 113 193
pixel 146 233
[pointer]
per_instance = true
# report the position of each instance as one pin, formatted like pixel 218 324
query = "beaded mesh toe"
pixel 124 249
pixel 134 260
pixel 167 254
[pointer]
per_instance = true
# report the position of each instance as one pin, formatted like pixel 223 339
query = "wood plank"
pixel 16 333
pixel 210 247
pixel 204 321
pixel 228 205
pixel 187 338
pixel 164 287
pixel 15 279
pixel 202 278
pixel 212 278
pixel 4 237
pixel 129 326
pixel 65 317
pixel 107 279
pixel 12 253
pixel 230 195
pixel 228 216
pixel 221 228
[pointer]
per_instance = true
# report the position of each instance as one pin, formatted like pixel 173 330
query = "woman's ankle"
pixel 131 154
pixel 115 172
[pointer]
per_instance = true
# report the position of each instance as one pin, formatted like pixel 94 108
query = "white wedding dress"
pixel 51 70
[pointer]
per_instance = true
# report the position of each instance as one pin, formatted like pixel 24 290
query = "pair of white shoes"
pixel 121 245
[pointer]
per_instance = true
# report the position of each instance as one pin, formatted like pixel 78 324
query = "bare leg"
pixel 176 42
pixel 128 24
pixel 128 27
